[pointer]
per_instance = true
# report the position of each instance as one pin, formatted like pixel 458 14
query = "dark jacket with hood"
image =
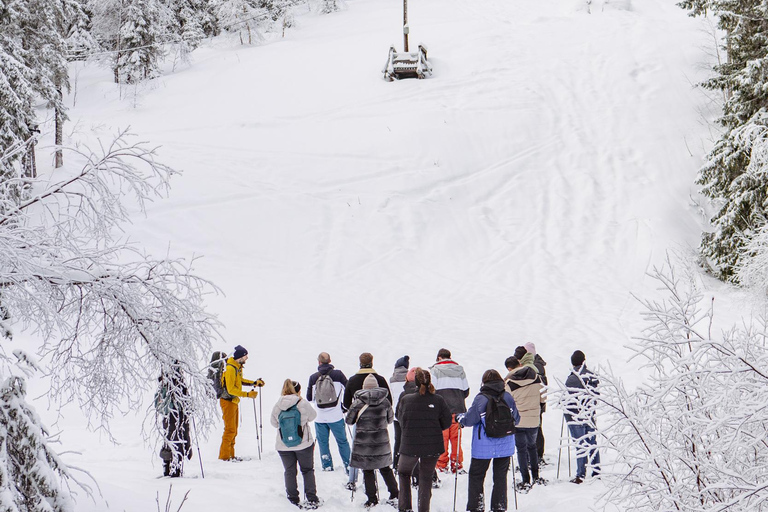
pixel 422 420
pixel 329 414
pixel 355 384
pixel 371 449
pixel 582 387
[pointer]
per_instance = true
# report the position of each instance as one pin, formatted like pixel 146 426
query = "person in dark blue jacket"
pixel 486 449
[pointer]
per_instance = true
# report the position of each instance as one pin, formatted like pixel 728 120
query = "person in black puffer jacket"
pixel 372 413
pixel 423 416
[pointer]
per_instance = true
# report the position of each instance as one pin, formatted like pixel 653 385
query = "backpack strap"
pixel 362 410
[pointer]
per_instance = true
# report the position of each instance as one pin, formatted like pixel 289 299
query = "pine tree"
pixel 31 473
pixel 142 34
pixel 728 178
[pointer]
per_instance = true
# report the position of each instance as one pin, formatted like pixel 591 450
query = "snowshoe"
pixel 311 504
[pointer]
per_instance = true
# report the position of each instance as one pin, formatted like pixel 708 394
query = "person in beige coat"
pixel 300 451
pixel 526 388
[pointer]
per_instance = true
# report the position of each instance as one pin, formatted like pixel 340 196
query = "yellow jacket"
pixel 233 379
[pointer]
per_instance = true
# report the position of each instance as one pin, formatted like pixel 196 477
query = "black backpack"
pixel 216 375
pixel 498 417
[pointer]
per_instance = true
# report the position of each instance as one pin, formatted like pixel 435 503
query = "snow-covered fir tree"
pixel 242 17
pixel 143 32
pixel 728 178
pixel 31 474
pixel 329 6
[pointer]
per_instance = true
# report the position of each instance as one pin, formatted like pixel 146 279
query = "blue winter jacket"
pixel 484 447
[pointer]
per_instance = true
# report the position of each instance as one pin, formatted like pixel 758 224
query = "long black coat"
pixel 422 420
pixel 371 448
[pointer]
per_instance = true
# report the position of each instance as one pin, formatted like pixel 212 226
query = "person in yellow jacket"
pixel 233 384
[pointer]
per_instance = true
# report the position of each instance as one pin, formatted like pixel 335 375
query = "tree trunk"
pixel 59 137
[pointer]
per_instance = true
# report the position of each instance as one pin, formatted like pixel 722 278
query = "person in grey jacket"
pixel 372 413
pixel 451 383
pixel 304 453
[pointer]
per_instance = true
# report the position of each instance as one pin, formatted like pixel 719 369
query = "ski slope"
pixel 520 194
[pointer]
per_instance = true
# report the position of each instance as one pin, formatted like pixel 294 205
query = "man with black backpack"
pixel 231 389
pixel 493 414
pixel 325 390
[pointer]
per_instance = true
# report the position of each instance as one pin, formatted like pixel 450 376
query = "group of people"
pixel 427 407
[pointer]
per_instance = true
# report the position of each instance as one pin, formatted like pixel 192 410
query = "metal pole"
pixel 405 25
pixel 261 424
pixel 514 479
pixel 456 474
pixel 560 449
pixel 197 442
pixel 256 420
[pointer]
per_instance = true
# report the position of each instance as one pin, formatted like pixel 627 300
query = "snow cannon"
pixel 406 64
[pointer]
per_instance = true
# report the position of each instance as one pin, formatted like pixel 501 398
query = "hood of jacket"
pixel 495 388
pixel 371 396
pixel 325 368
pixel 288 401
pixel 448 368
pixel 523 376
pixel 399 374
pixel 527 360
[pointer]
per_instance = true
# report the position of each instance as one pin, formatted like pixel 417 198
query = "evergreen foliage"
pixel 728 178
pixel 31 474
pixel 140 43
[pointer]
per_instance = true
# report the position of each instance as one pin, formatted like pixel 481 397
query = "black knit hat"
pixel 239 352
pixel 578 357
pixel 404 362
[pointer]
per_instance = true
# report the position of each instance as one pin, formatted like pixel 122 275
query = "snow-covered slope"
pixel 518 195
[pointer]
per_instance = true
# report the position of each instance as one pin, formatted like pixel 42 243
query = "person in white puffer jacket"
pixel 303 452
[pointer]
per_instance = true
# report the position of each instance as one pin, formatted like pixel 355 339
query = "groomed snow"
pixel 520 194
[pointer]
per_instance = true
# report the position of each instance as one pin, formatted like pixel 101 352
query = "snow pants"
pixel 451 436
pixel 477 471
pixel 305 459
pixel 229 411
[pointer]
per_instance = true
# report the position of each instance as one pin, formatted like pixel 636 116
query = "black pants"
pixel 306 460
pixel 426 469
pixel 369 479
pixel 177 445
pixel 525 443
pixel 477 470
pixel 396 450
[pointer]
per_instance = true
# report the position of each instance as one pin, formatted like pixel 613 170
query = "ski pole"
pixel 256 420
pixel 456 475
pixel 569 453
pixel 261 426
pixel 514 479
pixel 560 449
pixel 197 442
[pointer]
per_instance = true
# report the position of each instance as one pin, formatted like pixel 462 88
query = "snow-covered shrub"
pixel 692 438
pixel 110 316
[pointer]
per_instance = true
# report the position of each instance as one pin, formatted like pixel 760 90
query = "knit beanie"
pixel 411 375
pixel 530 347
pixel 403 362
pixel 366 360
pixel 520 352
pixel 370 382
pixel 239 352
pixel 578 357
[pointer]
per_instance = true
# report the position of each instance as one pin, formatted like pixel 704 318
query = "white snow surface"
pixel 518 195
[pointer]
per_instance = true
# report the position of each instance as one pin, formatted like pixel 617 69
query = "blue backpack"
pixel 289 424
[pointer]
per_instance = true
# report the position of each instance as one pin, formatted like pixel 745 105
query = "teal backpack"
pixel 289 423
